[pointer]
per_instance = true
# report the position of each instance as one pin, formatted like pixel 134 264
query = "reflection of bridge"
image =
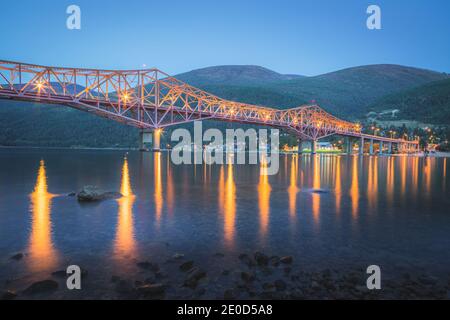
pixel 150 99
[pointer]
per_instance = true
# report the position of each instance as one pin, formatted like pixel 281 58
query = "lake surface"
pixel 326 211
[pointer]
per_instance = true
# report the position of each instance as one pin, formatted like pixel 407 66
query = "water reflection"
pixel 228 204
pixel 372 183
pixel 125 243
pixel 354 189
pixel 427 176
pixel 316 186
pixel 338 183
pixel 43 255
pixel 158 186
pixel 403 167
pixel 170 188
pixel 390 179
pixel 264 190
pixel 293 189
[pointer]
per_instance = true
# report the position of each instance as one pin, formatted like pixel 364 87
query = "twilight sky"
pixel 289 36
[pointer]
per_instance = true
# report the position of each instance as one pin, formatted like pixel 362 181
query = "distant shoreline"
pixel 71 148
pixel 435 155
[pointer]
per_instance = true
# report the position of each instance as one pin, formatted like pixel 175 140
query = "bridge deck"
pixel 152 99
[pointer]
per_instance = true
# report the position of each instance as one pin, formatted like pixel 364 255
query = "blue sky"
pixel 288 36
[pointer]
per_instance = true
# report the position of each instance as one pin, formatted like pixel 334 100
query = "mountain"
pixel 233 75
pixel 349 93
pixel 429 103
pixel 344 93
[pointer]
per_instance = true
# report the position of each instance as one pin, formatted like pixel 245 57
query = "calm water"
pixel 390 211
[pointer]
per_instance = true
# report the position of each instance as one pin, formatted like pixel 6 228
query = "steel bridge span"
pixel 150 99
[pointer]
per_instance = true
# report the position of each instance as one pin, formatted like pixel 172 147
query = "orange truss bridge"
pixel 151 99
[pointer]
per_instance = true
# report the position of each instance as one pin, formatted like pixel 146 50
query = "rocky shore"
pixel 253 276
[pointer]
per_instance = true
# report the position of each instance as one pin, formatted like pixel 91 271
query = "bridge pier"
pixel 300 146
pixel 371 147
pixel 313 146
pixel 153 137
pixel 348 145
pixel 381 148
pixel 361 146
pixel 390 148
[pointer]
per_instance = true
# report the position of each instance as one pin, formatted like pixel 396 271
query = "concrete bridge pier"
pixel 371 147
pixel 300 146
pixel 361 146
pixel 313 146
pixel 348 145
pixel 153 137
pixel 390 148
pixel 381 148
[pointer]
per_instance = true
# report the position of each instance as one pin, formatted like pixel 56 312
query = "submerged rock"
pixel 44 286
pixel 261 259
pixel 93 193
pixel 319 191
pixel 286 260
pixel 148 266
pixel 178 256
pixel 247 277
pixel 124 287
pixel 8 295
pixel 186 266
pixel 193 277
pixel 151 290
pixel 64 274
pixel 17 256
pixel 245 258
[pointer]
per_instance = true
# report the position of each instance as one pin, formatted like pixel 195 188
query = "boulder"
pixel 44 286
pixel 93 193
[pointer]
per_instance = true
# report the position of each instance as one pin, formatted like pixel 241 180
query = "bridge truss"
pixel 151 99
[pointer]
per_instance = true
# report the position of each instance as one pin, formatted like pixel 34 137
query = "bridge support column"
pixel 381 147
pixel 313 146
pixel 150 137
pixel 157 140
pixel 361 146
pixel 300 146
pixel 371 147
pixel 348 145
pixel 390 148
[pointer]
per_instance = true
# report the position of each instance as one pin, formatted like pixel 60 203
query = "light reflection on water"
pixel 125 243
pixel 388 209
pixel 43 255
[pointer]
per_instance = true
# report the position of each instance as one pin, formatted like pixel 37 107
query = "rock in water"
pixel 286 260
pixel 42 287
pixel 194 277
pixel 151 290
pixel 17 256
pixel 93 193
pixel 261 259
pixel 186 266
pixel 8 295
